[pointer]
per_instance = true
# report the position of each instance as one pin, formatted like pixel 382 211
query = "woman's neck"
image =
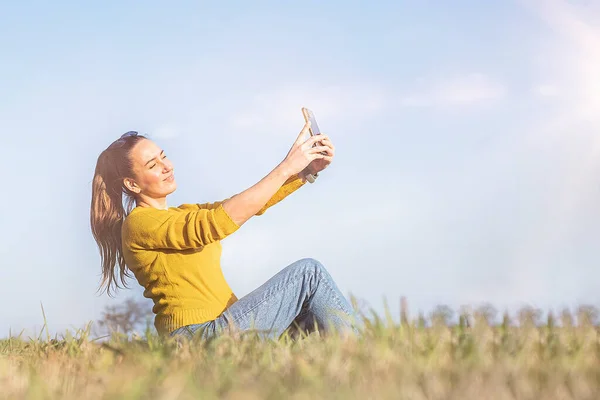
pixel 160 204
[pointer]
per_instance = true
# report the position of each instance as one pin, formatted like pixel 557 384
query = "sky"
pixel 467 167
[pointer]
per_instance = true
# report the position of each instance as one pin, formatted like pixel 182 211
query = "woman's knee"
pixel 311 266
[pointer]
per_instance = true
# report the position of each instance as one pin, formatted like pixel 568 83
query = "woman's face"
pixel 153 172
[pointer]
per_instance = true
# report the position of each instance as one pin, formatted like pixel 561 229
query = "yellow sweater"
pixel 175 255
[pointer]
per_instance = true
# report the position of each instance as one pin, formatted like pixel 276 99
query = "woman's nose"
pixel 167 166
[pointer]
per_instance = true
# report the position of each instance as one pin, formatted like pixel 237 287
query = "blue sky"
pixel 468 155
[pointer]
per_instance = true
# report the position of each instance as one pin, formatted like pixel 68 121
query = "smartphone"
pixel 314 127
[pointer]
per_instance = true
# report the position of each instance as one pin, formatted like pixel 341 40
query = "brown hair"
pixel 107 212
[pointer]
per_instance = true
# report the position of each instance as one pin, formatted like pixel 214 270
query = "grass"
pixel 420 359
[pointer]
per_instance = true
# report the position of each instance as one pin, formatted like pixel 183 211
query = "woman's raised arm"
pixel 244 205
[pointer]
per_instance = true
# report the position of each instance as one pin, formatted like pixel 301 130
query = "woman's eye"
pixel 154 165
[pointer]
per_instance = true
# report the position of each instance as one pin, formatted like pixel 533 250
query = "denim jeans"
pixel 296 297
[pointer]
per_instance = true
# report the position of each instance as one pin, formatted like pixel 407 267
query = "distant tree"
pixel 506 321
pixel 529 316
pixel 486 313
pixel 551 320
pixel 441 315
pixel 421 321
pixel 566 318
pixel 465 317
pixel 130 316
pixel 587 315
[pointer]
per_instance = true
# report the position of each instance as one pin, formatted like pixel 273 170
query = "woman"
pixel 174 252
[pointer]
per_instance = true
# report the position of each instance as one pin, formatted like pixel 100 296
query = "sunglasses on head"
pixel 127 134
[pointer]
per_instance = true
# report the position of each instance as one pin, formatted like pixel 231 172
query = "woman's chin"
pixel 172 187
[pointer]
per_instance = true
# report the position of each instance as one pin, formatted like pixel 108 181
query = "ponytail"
pixel 107 211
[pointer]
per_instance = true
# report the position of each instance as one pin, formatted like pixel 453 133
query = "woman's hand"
pixel 320 164
pixel 303 153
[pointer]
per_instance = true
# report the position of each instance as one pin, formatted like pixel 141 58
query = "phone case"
pixel 314 127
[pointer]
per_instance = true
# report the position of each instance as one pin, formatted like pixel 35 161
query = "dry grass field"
pixel 424 358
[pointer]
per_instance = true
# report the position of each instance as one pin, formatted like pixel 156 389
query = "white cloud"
pixel 546 90
pixel 575 52
pixel 566 141
pixel 280 108
pixel 464 90
pixel 576 62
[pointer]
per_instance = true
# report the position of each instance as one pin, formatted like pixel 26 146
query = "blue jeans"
pixel 296 297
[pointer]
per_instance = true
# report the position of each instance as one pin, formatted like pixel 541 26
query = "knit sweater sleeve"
pixel 201 206
pixel 288 187
pixel 177 229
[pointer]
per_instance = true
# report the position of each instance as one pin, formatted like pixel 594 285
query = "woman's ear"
pixel 131 185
